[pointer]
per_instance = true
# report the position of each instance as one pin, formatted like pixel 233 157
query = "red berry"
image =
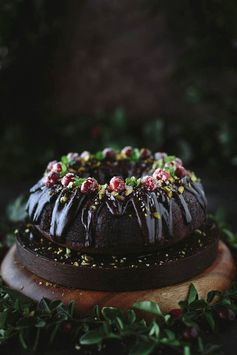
pixel 51 179
pixel 160 174
pixel 190 333
pixel 85 155
pixel 89 185
pixel 145 153
pixel 176 312
pixel 180 171
pixel 160 155
pixel 57 168
pixel 50 165
pixel 117 184
pixel 149 182
pixel 127 151
pixel 109 153
pixel 67 179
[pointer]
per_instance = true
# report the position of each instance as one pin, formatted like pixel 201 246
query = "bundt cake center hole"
pixel 124 169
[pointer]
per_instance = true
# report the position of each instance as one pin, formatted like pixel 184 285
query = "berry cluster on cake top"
pixel 165 172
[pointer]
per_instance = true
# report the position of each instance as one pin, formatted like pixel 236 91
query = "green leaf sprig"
pixel 21 319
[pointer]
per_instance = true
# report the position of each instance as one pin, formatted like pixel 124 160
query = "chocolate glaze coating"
pixel 122 234
pixel 110 225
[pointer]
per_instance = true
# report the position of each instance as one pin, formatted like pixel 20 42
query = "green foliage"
pixel 16 210
pixel 99 155
pixel 22 319
pixel 79 181
pixel 132 181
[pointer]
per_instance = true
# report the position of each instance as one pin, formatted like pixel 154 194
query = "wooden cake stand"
pixel 218 276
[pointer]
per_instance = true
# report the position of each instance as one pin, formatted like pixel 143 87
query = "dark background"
pixel 78 75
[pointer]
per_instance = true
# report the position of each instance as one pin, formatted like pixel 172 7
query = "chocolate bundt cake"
pixel 114 203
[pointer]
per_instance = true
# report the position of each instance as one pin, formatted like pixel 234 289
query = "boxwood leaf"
pixel 192 294
pixel 148 306
pixel 111 313
pixel 92 337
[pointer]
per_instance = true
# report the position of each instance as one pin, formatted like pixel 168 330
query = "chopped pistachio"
pixel 63 199
pixel 120 156
pixel 120 197
pixel 87 258
pixel 84 263
pixel 193 177
pixel 129 190
pixel 181 189
pixel 168 191
pixel 68 251
pixel 156 215
pixel 101 191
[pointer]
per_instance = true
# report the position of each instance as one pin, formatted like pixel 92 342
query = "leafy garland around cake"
pixel 53 325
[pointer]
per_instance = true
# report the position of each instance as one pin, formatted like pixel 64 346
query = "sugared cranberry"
pixel 117 184
pixel 50 165
pixel 85 155
pixel 73 157
pixel 226 314
pixel 127 151
pixel 149 182
pixel 89 185
pixel 160 174
pixel 160 155
pixel 67 179
pixel 145 153
pixel 57 168
pixel 178 161
pixel 190 333
pixel 176 312
pixel 51 179
pixel 180 171
pixel 109 153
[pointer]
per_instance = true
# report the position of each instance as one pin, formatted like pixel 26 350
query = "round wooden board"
pixel 218 276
